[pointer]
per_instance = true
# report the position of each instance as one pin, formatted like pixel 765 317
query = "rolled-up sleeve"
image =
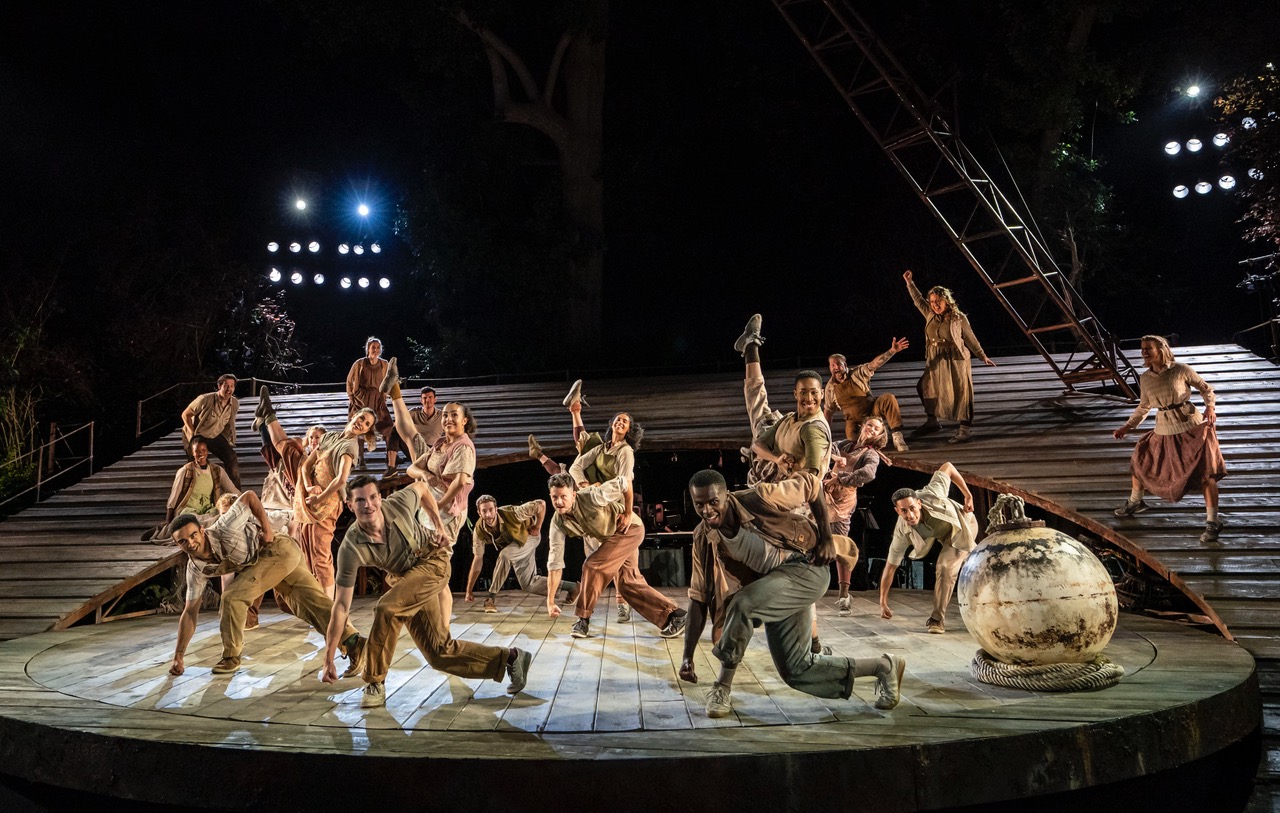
pixel 698 588
pixel 555 546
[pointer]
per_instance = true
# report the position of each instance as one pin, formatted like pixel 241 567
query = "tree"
pixel 1248 106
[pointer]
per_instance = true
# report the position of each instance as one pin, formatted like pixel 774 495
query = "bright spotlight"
pixel 1248 123
pixel 1173 148
pixel 364 282
pixel 318 279
pixel 295 247
pixel 375 248
pixel 1194 145
pixel 1203 187
pixel 274 275
pixel 313 246
pixel 384 283
pixel 1256 174
pixel 362 210
pixel 296 277
pixel 359 249
pixel 344 248
pixel 300 204
pixel 1181 191
pixel 346 282
pixel 1221 139
pixel 273 247
pixel 1227 182
pixel 1193 91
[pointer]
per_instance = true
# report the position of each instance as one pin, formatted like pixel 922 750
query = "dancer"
pixel 946 387
pixel 240 542
pixel 1182 453
pixel 320 479
pixel 855 465
pixel 391 535
pixel 611 532
pixel 363 392
pixel 849 390
pixel 212 416
pixel 925 517
pixel 427 420
pixel 795 444
pixel 196 488
pixel 598 460
pixel 756 561
pixel 515 531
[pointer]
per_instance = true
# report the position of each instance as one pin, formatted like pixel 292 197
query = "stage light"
pixel 318 279
pixel 1248 123
pixel 1203 187
pixel 375 248
pixel 274 275
pixel 362 210
pixel 295 247
pixel 296 277
pixel 346 282
pixel 384 283
pixel 344 248
pixel 1194 145
pixel 313 246
pixel 1221 139
pixel 1193 91
pixel 1227 182
pixel 359 249
pixel 364 282
pixel 1181 191
pixel 300 204
pixel 273 247
pixel 1173 148
pixel 1256 174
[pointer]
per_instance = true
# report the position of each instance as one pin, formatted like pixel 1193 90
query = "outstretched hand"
pixel 900 344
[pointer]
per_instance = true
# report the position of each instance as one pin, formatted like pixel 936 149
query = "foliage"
pixel 1256 96
pixel 257 337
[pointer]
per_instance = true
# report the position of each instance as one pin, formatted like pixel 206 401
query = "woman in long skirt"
pixel 1181 454
pixel 946 387
pixel 363 392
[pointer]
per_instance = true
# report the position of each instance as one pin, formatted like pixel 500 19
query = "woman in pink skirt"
pixel 1182 453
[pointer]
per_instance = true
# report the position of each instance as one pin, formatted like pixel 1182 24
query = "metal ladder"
pixel 1009 257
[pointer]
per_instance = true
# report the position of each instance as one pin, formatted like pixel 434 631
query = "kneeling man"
pixel 756 561
pixel 516 531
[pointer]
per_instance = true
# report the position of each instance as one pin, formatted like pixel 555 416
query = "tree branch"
pixel 492 40
pixel 501 90
pixel 553 73
pixel 541 118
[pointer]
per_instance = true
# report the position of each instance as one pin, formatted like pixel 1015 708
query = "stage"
pixel 604 722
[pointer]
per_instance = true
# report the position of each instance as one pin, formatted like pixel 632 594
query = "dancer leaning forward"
pixel 756 561
pixel 399 536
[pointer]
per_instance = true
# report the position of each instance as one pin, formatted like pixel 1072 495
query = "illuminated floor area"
pixel 94 709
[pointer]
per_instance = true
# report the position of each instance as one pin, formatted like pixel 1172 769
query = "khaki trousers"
pixel 280 566
pixel 884 407
pixel 617 560
pixel 414 602
pixel 519 558
pixel 945 572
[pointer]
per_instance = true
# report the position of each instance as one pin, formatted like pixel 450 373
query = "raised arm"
pixel 918 299
pixel 428 503
pixel 953 474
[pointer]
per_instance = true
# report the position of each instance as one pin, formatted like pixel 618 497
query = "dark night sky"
pixel 722 198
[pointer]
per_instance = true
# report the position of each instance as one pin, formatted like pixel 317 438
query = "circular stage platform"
pixel 604 722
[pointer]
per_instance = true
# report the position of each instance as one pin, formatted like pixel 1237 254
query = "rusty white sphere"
pixel 1037 596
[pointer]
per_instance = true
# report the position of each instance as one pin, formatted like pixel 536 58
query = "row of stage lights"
pixel 1194 145
pixel 297 278
pixel 1227 182
pixel 301 205
pixel 314 248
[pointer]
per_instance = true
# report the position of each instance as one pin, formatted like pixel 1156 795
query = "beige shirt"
pixel 213 418
pixel 808 442
pixel 429 429
pixel 1171 388
pixel 596 513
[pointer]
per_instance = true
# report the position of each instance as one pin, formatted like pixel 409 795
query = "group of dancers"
pixel 760 554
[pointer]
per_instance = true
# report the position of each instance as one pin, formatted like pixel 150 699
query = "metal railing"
pixel 51 467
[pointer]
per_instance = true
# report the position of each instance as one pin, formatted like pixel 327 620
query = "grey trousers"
pixel 783 600
pixel 521 559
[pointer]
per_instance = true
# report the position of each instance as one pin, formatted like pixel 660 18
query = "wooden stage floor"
pixel 93 708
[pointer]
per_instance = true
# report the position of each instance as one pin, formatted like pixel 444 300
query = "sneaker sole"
pixel 719 714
